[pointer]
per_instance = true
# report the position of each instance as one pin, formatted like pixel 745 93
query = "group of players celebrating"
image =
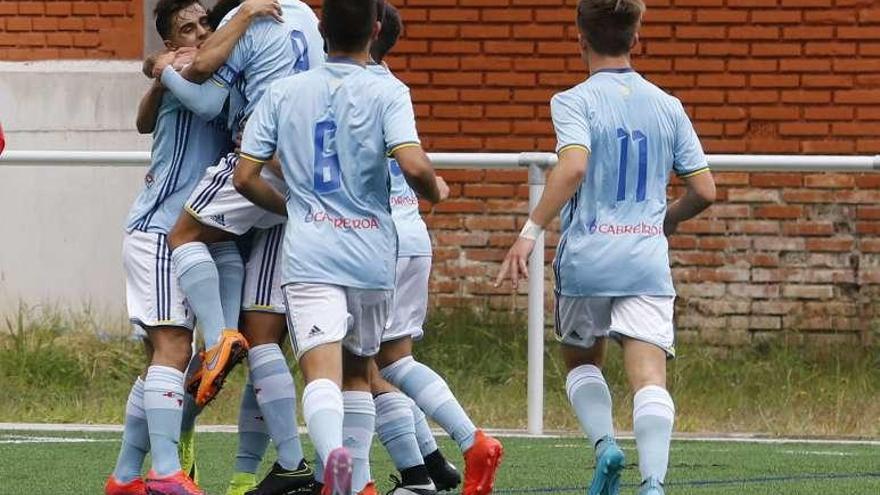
pixel 291 133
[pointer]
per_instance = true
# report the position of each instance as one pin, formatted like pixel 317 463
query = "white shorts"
pixel 410 299
pixel 152 294
pixel 262 275
pixel 216 203
pixel 582 320
pixel 320 314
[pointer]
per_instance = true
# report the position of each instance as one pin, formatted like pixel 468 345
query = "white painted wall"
pixel 61 227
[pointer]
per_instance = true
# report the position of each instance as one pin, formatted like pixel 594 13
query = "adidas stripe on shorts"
pixel 262 277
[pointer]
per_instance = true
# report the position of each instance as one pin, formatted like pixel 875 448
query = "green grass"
pixel 67 368
pixel 530 466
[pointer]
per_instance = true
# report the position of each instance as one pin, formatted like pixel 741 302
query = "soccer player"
pixel 215 212
pixel 157 409
pixel 410 304
pixel 619 137
pixel 337 123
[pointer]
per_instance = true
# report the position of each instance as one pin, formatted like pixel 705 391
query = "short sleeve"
pixel 261 132
pixel 230 72
pixel 569 114
pixel 399 122
pixel 689 158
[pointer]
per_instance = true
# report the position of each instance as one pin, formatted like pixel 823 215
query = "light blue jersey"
pixel 612 242
pixel 184 145
pixel 412 233
pixel 333 128
pixel 270 50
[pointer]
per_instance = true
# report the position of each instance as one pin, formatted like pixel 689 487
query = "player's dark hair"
pixel 610 26
pixel 219 11
pixel 348 24
pixel 391 27
pixel 165 11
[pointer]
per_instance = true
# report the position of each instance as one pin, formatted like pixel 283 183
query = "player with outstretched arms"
pixel 619 137
pixel 482 453
pixel 331 129
pixel 159 417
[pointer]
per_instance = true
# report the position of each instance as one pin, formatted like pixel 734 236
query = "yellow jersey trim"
pixel 253 158
pixel 402 146
pixel 695 172
pixel 572 146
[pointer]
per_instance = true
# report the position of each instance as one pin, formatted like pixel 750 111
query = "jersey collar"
pixel 621 70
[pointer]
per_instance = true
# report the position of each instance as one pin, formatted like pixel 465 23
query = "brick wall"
pixel 72 29
pixel 789 256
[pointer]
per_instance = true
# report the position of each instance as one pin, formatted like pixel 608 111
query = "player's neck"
pixel 601 62
pixel 361 58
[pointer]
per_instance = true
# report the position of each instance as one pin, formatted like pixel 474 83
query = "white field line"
pixel 504 433
pixel 20 439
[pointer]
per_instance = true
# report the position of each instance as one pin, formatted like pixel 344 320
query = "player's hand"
pixel 443 187
pixel 260 8
pixel 515 264
pixel 183 57
pixel 161 61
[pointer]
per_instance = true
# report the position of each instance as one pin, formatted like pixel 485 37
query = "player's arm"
pixel 563 182
pixel 569 114
pixel 148 109
pixel 214 52
pixel 205 100
pixel 690 163
pixel 258 147
pixel 419 173
pixel 699 195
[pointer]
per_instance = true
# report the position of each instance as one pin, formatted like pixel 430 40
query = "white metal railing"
pixel 537 164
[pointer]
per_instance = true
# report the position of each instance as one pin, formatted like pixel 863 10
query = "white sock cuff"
pixel 398 368
pixel 392 407
pixel 191 253
pixel 164 377
pixel 225 251
pixel 135 405
pixel 583 375
pixel 653 400
pixel 263 354
pixel 321 395
pixel 357 402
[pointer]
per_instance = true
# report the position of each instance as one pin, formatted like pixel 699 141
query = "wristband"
pixel 531 230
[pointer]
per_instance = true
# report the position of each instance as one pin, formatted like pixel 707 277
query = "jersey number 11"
pixel 641 140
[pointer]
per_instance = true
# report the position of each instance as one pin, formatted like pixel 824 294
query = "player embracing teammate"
pixel 619 137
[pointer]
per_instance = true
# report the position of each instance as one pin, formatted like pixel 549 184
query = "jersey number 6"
pixel 642 140
pixel 328 175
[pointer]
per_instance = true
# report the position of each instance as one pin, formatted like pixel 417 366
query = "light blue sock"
pixel 591 400
pixel 253 437
pixel 432 394
pixel 190 410
pixel 276 395
pixel 424 435
pixel 230 269
pixel 163 403
pixel 198 278
pixel 653 417
pixel 319 470
pixel 358 427
pixel 135 436
pixel 396 430
pixel 323 412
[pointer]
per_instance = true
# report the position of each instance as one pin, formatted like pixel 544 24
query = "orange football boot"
pixel 175 484
pixel 370 489
pixel 133 487
pixel 481 463
pixel 217 362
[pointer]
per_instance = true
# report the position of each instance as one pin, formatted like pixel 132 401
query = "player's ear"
pixel 377 28
pixel 634 42
pixel 169 45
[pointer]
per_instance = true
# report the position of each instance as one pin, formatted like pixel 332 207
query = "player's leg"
pixel 360 418
pixel 253 440
pixel 396 429
pixel 581 326
pixel 645 327
pixel 191 411
pixel 163 406
pixel 317 322
pixel 126 478
pixel 427 388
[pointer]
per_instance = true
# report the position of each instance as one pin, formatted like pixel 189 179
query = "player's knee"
pixel 575 357
pixel 393 351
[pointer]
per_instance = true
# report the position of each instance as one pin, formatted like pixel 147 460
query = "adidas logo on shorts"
pixel 315 331
pixel 220 219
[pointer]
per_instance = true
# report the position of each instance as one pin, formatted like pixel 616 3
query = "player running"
pixel 337 121
pixel 158 414
pixel 215 212
pixel 612 264
pixel 482 453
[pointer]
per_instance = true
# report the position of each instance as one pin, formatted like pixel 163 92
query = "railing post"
pixel 536 304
